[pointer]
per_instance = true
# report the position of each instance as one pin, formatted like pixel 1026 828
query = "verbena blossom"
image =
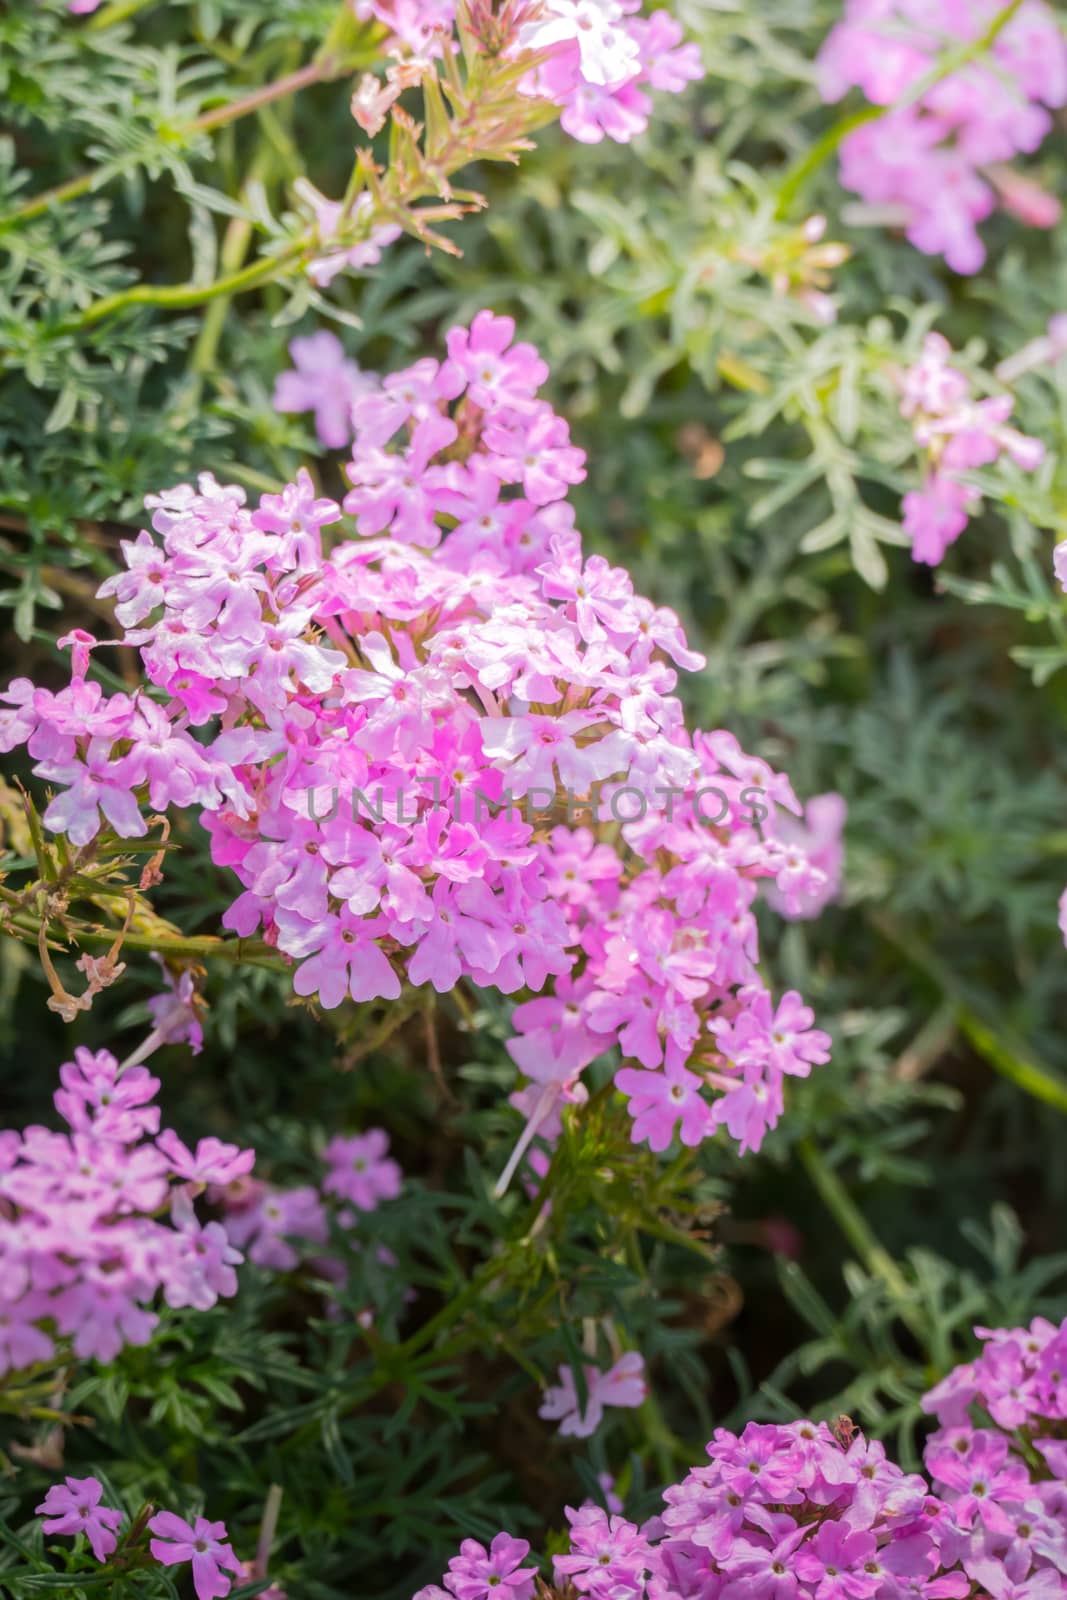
pixel 280 1228
pixel 935 165
pixel 957 433
pixel 360 1169
pixel 446 748
pixel 480 1574
pixel 324 381
pixel 174 1013
pixel 622 1385
pixel 800 1511
pixel 73 1507
pixel 267 1223
pixel 597 57
pixel 204 1544
pixel 818 835
pixel 1000 1461
pixel 100 1220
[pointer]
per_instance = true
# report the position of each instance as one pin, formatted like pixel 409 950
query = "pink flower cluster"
pixel 935 166
pixel 265 1220
pixel 957 433
pixel 999 1460
pixel 819 834
pixel 598 56
pixel 802 1512
pixel 623 1385
pixel 84 1247
pixel 74 1507
pixel 387 743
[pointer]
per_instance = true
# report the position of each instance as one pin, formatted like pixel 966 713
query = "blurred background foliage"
pixel 746 464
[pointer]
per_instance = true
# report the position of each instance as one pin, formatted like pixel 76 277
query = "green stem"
pixel 118 11
pixel 318 71
pixel 392 200
pixel 997 1045
pixel 801 171
pixel 181 296
pixel 235 245
pixel 56 197
pixel 854 1225
pixel 315 72
pixel 248 952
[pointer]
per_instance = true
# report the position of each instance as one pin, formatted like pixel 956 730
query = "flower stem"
pixel 860 1235
pixel 318 71
pixel 996 1044
pixel 182 296
pixel 247 952
pixel 235 244
pixel 118 11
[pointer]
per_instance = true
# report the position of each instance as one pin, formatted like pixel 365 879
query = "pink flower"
pixel 343 959
pixel 958 434
pixel 819 846
pixel 497 373
pixel 22 1342
pixel 622 1385
pixel 96 1098
pixel 268 1220
pixel 360 1170
pixel 87 1246
pixel 537 453
pixel 96 790
pixel 331 217
pixel 74 1507
pixel 603 1550
pixel 387 741
pixel 214 1161
pixel 324 381
pixel 831 1565
pixel 659 1101
pixel 205 1544
pixel 934 162
pixel 790 1510
pixel 493 1574
pixel 199 1269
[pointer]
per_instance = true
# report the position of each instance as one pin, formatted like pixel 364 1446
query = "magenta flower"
pixel 793 1512
pixel 205 1544
pixel 343 960
pixel 831 1563
pixel 87 1242
pixel 388 742
pixel 360 1169
pixel 493 1574
pixel 267 1220
pixel 215 1161
pixel 325 382
pixel 604 1550
pixel 74 1507
pixel 765 1571
pixel 91 787
pixel 660 1102
pixel 956 433
pixel 622 1385
pixel 927 161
